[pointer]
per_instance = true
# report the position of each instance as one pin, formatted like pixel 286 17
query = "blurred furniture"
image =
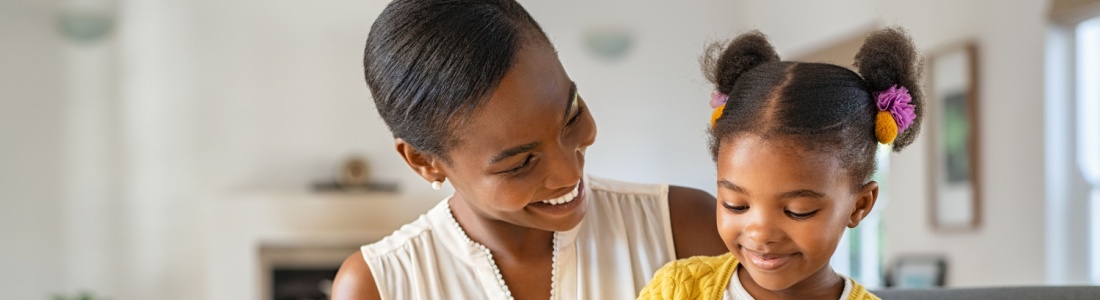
pixel 917 271
pixel 1000 293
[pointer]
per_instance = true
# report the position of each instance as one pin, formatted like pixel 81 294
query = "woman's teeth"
pixel 564 198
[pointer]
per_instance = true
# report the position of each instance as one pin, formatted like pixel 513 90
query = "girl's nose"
pixel 760 230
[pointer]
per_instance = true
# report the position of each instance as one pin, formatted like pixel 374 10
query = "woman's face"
pixel 782 210
pixel 523 150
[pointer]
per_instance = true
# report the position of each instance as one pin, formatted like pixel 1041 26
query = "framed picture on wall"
pixel 952 113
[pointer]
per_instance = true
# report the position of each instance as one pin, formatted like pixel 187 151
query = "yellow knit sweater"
pixel 706 278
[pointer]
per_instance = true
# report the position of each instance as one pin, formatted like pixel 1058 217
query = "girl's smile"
pixel 767 261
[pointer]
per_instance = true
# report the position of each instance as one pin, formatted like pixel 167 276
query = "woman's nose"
pixel 566 167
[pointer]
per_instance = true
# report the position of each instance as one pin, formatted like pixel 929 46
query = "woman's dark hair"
pixel 431 63
pixel 822 107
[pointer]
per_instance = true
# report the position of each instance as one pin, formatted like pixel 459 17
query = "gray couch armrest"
pixel 999 293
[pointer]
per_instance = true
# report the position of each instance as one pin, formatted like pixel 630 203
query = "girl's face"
pixel 782 210
pixel 524 146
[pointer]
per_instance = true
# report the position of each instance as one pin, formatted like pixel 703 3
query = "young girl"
pixel 794 144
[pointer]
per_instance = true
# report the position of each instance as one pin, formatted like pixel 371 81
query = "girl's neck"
pixel 502 238
pixel 823 284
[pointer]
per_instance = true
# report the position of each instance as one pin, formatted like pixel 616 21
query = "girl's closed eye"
pixel 798 215
pixel 735 208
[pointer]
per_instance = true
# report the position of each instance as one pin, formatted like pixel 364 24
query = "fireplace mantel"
pixel 240 225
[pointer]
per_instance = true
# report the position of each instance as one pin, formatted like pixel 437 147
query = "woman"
pixel 475 95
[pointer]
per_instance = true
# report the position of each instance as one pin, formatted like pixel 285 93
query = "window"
pixel 1073 153
pixel 1087 40
pixel 859 254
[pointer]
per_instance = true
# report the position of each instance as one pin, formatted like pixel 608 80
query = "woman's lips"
pixel 565 204
pixel 767 261
pixel 572 194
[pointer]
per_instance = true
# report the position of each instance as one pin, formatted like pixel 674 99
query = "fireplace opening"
pixel 302 283
pixel 301 272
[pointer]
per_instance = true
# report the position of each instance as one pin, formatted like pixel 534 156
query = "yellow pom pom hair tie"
pixel 718 103
pixel 895 113
pixel 716 114
pixel 886 129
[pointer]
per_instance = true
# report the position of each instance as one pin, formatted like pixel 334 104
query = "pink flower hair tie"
pixel 718 99
pixel 718 103
pixel 899 103
pixel 895 113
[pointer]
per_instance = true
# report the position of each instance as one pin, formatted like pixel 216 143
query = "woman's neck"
pixel 823 284
pixel 505 240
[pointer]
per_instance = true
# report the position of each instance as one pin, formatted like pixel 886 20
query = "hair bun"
pixel 723 65
pixel 887 58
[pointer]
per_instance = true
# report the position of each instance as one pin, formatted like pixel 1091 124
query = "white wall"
pixel 92 200
pixel 280 93
pixel 32 121
pixel 1008 248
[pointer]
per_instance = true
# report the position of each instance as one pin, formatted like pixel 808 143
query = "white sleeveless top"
pixel 624 238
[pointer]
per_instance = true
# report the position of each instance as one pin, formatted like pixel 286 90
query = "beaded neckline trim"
pixel 492 262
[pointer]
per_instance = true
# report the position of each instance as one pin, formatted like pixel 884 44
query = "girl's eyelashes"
pixel 801 216
pixel 736 209
pixel 793 215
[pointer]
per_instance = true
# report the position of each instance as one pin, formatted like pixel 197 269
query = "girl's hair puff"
pixel 820 107
pixel 887 58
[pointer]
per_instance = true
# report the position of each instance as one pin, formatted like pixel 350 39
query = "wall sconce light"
pixel 609 43
pixel 85 26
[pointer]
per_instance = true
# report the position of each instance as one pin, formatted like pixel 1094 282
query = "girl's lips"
pixel 767 261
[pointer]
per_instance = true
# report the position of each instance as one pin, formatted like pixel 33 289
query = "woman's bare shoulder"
pixel 694 226
pixel 354 281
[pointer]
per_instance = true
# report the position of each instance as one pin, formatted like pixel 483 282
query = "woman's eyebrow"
pixel 513 152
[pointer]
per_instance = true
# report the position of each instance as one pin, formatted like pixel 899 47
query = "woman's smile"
pixel 561 205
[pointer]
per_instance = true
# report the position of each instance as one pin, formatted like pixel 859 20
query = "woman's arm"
pixel 694 227
pixel 354 281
